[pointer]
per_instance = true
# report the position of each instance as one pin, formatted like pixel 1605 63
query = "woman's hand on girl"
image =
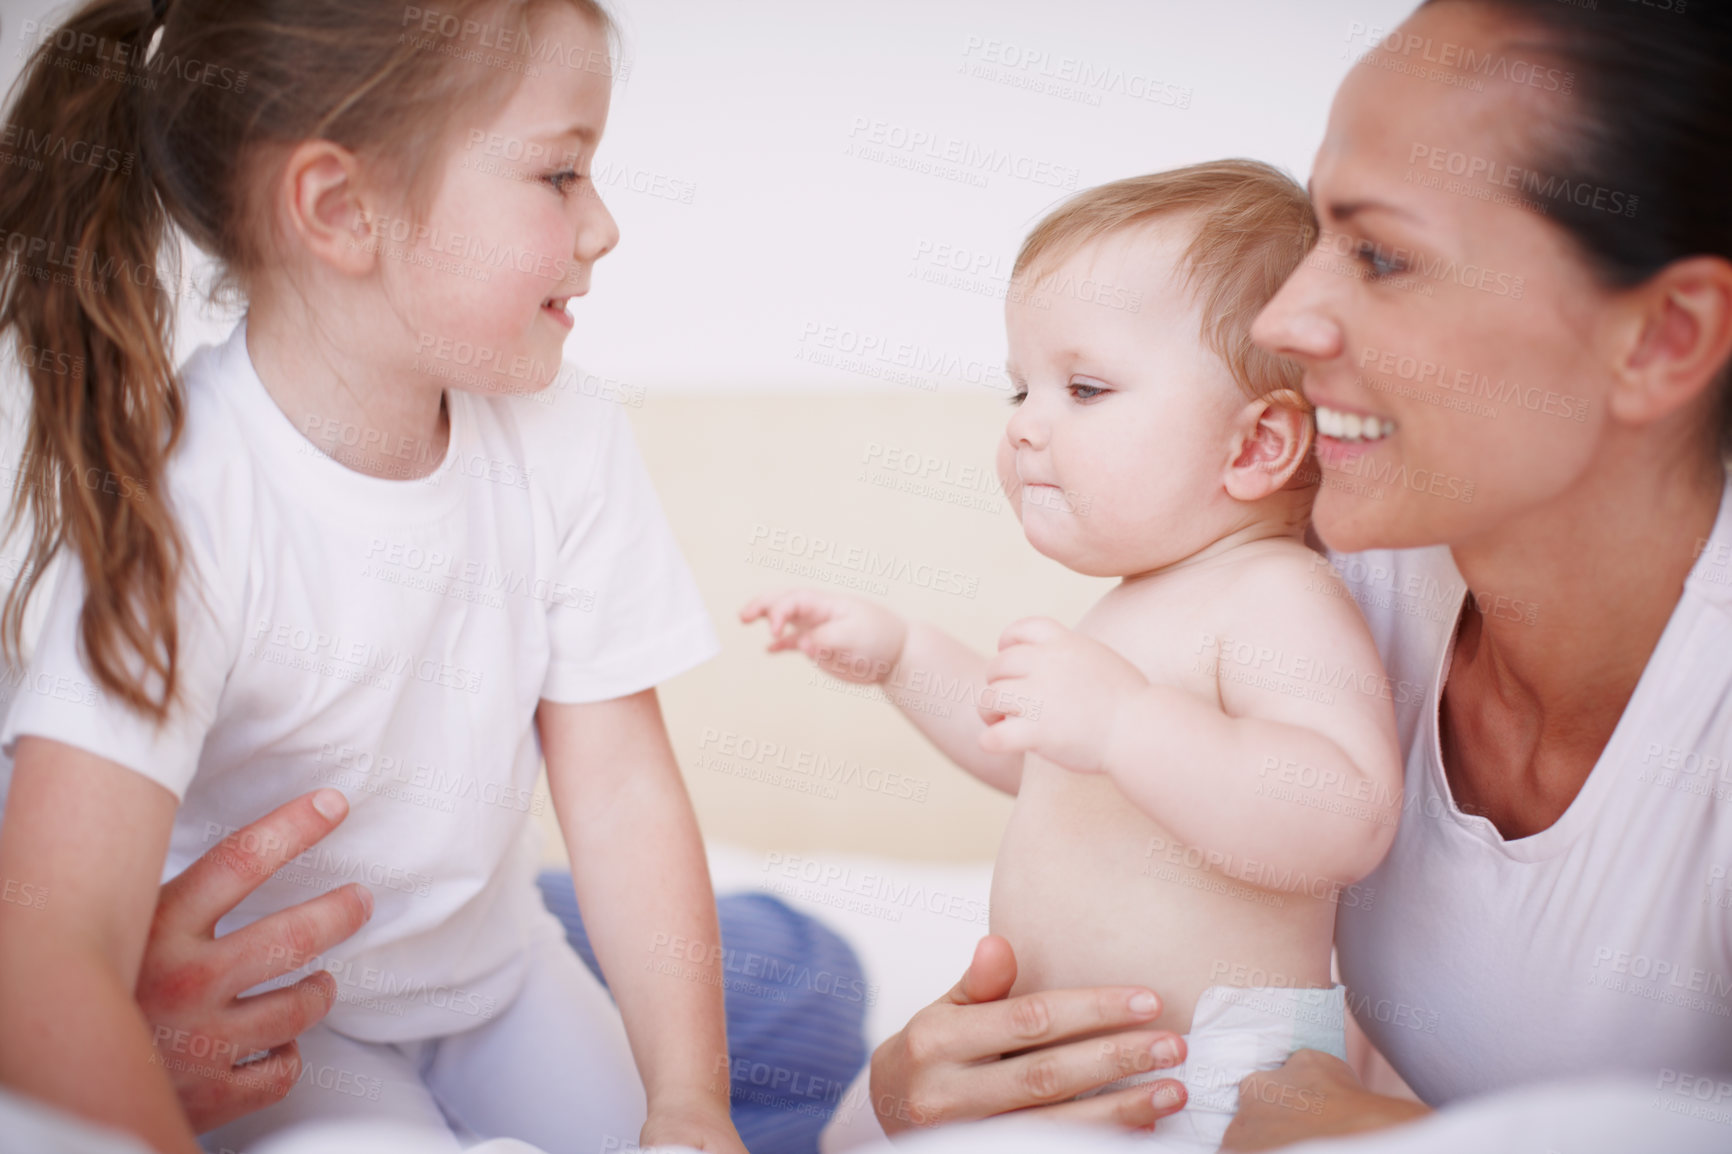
pixel 189 978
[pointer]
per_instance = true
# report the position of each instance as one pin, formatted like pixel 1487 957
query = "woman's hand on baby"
pixel 189 979
pixel 1054 692
pixel 977 1052
pixel 701 1125
pixel 847 637
pixel 1312 1095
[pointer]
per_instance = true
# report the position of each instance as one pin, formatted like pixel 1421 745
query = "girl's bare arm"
pixel 81 850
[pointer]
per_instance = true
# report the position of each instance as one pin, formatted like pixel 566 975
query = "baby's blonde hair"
pixel 1254 225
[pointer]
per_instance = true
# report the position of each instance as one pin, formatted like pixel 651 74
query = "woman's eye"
pixel 563 180
pixel 1379 262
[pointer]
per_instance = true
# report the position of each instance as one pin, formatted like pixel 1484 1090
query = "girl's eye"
pixel 1379 262
pixel 563 180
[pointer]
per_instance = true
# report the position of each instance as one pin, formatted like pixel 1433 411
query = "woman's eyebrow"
pixel 1345 210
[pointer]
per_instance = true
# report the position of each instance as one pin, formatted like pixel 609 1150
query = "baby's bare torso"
pixel 1091 892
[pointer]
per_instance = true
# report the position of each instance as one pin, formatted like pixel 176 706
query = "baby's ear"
pixel 1271 440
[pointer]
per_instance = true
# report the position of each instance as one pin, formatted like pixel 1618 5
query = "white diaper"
pixel 1236 1031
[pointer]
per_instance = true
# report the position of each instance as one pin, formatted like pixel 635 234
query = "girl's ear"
pixel 321 207
pixel 1271 440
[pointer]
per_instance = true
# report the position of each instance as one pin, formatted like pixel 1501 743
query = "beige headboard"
pixel 906 475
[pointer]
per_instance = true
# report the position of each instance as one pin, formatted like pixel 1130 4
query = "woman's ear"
pixel 1679 338
pixel 321 207
pixel 1271 440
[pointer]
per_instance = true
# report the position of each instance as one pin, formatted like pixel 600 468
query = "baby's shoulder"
pixel 1283 571
pixel 1175 621
pixel 1283 588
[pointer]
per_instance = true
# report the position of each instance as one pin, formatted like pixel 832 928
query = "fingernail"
pixel 1166 1097
pixel 366 896
pixel 331 804
pixel 1144 1003
pixel 1166 1052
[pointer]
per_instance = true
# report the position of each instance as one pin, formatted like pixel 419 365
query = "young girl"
pixel 350 545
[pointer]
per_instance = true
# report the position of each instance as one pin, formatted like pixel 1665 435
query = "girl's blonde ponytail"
pixel 82 231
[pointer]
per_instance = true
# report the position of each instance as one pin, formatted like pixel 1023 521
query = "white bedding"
pixel 913 926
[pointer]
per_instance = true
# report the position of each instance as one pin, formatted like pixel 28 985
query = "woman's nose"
pixel 1298 321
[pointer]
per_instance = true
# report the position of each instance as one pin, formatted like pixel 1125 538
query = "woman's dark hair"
pixel 133 119
pixel 1651 126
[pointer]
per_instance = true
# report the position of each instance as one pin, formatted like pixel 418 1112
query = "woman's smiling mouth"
pixel 1340 425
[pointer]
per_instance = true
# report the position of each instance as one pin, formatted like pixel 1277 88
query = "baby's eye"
pixel 1019 396
pixel 1083 391
pixel 563 180
pixel 1378 261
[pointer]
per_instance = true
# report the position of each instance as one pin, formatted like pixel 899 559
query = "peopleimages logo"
pixel 1536 188
pixel 1449 62
pixel 87 54
pixel 791 545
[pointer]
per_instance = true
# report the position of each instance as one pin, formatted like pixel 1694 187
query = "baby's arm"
pixel 637 861
pixel 1281 769
pixel 931 677
pixel 81 849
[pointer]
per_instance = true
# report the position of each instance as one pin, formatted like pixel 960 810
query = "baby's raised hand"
pixel 1056 693
pixel 846 637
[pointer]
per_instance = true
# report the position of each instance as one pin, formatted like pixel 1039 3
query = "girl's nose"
pixel 597 233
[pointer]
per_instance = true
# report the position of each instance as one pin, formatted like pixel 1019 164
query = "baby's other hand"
pixel 846 637
pixel 1056 693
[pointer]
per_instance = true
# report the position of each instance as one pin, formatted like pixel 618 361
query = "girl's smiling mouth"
pixel 555 308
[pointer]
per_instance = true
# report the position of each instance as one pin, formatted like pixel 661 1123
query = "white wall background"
pixel 752 236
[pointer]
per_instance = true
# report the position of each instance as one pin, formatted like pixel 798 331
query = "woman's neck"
pixel 356 411
pixel 1568 604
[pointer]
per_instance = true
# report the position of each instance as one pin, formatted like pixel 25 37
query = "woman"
pixel 1524 267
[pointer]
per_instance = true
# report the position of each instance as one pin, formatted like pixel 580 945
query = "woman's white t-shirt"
pixel 390 638
pixel 1601 944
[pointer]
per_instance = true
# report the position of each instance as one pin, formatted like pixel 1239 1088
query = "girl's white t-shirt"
pixel 390 638
pixel 1602 944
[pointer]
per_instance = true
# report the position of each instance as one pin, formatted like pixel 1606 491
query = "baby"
pixel 1205 763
